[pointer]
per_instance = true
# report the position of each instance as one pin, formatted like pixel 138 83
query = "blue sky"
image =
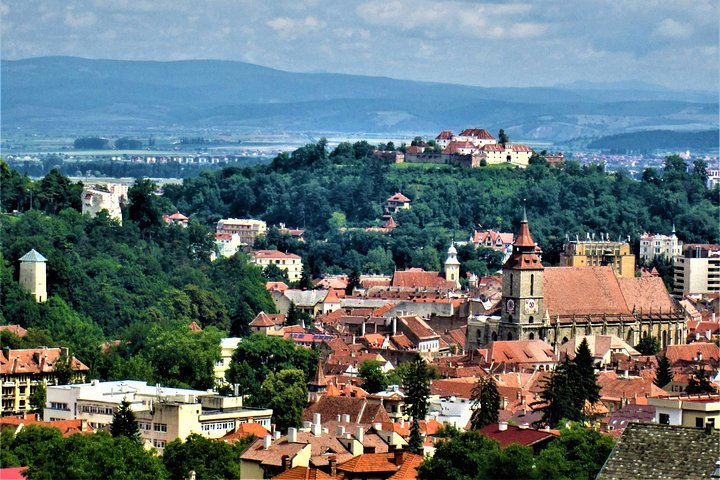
pixel 671 43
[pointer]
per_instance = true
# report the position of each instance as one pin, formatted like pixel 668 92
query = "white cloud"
pixel 672 29
pixel 74 19
pixel 292 28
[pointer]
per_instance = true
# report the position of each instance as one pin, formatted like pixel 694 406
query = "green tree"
pixel 144 206
pixel 579 453
pixel 648 345
pixel 89 457
pixel 502 137
pixel 208 458
pixel 38 399
pixel 416 385
pixel 287 394
pixel 124 422
pixel 276 274
pixel 562 396
pixel 353 282
pixel 63 369
pixel 699 382
pixel 664 373
pixel 373 378
pixel 486 402
pixel 585 371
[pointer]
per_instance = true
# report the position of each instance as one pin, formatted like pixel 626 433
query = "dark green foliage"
pixel 579 453
pixel 373 377
pixel 144 206
pixel 126 143
pixel 287 394
pixel 486 402
pixel 566 392
pixel 416 386
pixel 38 399
pixel 699 382
pixel 89 457
pixel 257 356
pixel 664 373
pixel 503 137
pixel 91 143
pixel 276 274
pixel 648 345
pixel 209 459
pixel 124 423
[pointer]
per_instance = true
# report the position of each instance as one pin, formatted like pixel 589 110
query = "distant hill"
pixel 77 94
pixel 658 140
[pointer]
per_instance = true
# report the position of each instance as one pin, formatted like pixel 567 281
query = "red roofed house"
pixel 23 371
pixel 176 218
pixel 424 338
pixel 66 427
pixel 444 138
pixel 477 136
pixel 289 262
pixel 500 242
pixel 558 303
pixel 514 154
pixel 265 322
pixel 16 330
pixel 395 203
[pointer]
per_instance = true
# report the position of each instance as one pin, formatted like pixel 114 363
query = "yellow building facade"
pixel 592 253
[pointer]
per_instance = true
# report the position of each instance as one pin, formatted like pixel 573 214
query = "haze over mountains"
pixel 70 93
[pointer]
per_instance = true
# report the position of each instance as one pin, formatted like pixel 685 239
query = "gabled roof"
pixel 303 473
pixel 599 345
pixel 262 319
pixel 33 256
pixel 17 330
pixel 66 427
pixel 521 351
pixel 305 298
pixel 360 411
pixel 245 430
pixel 398 197
pixel 417 327
pixel 276 254
pixel 689 352
pixel 417 277
pixel 566 291
pixel 662 451
pixel 34 361
pixel 369 463
pixel 646 293
pixel 444 135
pixel 480 133
pixel 617 388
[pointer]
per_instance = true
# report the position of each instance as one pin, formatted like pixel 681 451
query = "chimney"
pixel 292 435
pixel 394 326
pixel 316 428
pixel 360 433
pixel 699 356
pixel 277 434
pixel 346 418
pixel 338 417
pixel 502 426
pixel 377 426
pixel 398 456
pixel 83 425
pixel 340 431
pixel 286 462
pixel 332 462
pixel 267 441
pixel 524 426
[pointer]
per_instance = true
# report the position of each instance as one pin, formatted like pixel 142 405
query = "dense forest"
pixel 140 284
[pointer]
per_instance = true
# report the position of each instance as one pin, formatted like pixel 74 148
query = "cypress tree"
pixel 585 370
pixel 663 374
pixel 486 401
pixel 417 389
pixel 124 422
pixel 562 395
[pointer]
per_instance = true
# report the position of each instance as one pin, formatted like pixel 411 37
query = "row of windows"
pixel 206 427
pixel 59 406
pixel 160 427
pixel 158 443
pixel 96 409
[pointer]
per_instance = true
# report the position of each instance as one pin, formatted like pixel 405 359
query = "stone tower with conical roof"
pixel 522 290
pixel 33 275
pixel 452 266
pixel 317 386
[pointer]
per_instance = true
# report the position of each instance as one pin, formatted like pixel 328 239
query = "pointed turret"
pixel 452 266
pixel 317 386
pixel 524 255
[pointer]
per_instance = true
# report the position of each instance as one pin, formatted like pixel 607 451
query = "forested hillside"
pixel 141 284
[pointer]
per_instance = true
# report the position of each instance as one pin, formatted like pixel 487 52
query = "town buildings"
pixel 558 303
pixel 590 252
pixel 164 414
pixel 23 371
pixel 246 229
pixel 697 270
pixel 659 246
pixel 289 262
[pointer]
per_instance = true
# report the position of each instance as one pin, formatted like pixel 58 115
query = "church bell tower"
pixel 522 290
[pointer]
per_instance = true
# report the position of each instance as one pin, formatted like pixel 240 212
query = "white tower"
pixel 33 275
pixel 452 266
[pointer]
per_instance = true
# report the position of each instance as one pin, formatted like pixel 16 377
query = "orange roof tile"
pixel 245 430
pixel 34 361
pixel 369 463
pixel 303 473
pixel 398 197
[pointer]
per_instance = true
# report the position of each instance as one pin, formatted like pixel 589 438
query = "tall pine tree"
pixel 124 422
pixel 585 370
pixel 416 384
pixel 561 395
pixel 664 373
pixel 486 401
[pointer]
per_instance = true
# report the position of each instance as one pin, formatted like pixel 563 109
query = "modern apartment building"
pixel 697 270
pixel 163 414
pixel 247 229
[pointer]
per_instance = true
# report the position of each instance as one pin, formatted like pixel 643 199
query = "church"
pixel 555 304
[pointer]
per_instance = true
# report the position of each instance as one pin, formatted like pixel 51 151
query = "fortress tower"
pixel 33 275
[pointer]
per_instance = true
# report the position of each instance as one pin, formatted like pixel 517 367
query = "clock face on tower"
pixel 531 306
pixel 510 305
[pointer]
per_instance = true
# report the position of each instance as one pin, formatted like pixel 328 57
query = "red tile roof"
pixel 398 197
pixel 245 430
pixel 522 436
pixel 15 329
pixel 480 133
pixel 566 291
pixel 646 293
pixel 444 135
pixel 417 277
pixel 521 351
pixel 273 254
pixel 417 327
pixel 12 473
pixel 262 319
pixel 369 463
pixel 34 361
pixel 303 473
pixel 66 427
pixel 689 352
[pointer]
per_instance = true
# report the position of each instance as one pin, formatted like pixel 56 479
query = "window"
pixel 532 284
pixel 160 427
pixel 159 443
pixel 531 319
pixel 699 422
pixel 664 419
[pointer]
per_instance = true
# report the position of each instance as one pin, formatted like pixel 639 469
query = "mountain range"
pixel 76 94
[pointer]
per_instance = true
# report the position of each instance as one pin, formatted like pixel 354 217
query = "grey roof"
pixel 305 298
pixel 662 451
pixel 33 256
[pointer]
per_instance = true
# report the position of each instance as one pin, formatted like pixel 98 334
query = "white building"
pixel 163 414
pixel 94 201
pixel 657 245
pixel 452 411
pixel 227 244
pixel 227 348
pixel 247 229
pixel 289 262
pixel 697 270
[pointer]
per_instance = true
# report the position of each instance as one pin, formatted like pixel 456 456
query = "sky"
pixel 525 43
